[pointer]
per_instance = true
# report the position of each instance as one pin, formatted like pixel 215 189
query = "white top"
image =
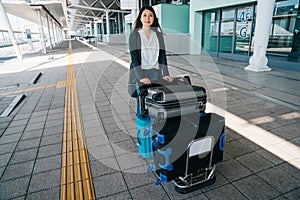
pixel 149 50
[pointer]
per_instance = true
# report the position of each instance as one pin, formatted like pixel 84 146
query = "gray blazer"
pixel 136 73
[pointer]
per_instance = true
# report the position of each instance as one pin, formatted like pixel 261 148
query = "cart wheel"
pixel 196 187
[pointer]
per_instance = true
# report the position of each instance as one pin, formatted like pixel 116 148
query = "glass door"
pixel 210 31
pixel 226 31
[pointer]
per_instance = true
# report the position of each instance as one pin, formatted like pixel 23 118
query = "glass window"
pixel 226 33
pixel 210 30
pixel 243 30
pixel 283 34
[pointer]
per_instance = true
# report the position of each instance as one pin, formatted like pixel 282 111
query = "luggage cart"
pixel 196 167
pixel 194 180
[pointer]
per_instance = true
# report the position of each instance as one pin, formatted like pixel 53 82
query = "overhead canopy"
pixel 70 14
pixel 26 10
pixel 80 12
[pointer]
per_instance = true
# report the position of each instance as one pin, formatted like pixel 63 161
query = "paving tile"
pixel 103 167
pixel 4 125
pixel 138 177
pixel 119 196
pixel 231 135
pixel 50 150
pixel 28 144
pixel 173 194
pixel 22 116
pixel 290 131
pixel 50 179
pixel 235 149
pixel 293 195
pixel 108 120
pixel 255 162
pixel 35 126
pixel 32 134
pixel 124 147
pixel 14 188
pixel 92 124
pixel 40 113
pixel 118 137
pixel 53 130
pixel 93 131
pixel 269 156
pixel 111 128
pixel 20 122
pixel 56 111
pixel 47 163
pixel 1 171
pixel 4 159
pixel 250 144
pixel 109 184
pixel 255 188
pixel 97 141
pixel 13 130
pixel 42 107
pixel 101 152
pixel 53 123
pixel 59 116
pixel 18 170
pixel 198 197
pixel 293 171
pixel 52 193
pixel 51 139
pixel 280 179
pixel 7 148
pixel 149 192
pixel 129 161
pixel 225 192
pixel 23 156
pixel 37 119
pixel 226 169
pixel 10 138
pixel 281 197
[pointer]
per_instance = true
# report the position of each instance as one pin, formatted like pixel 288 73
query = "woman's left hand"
pixel 168 78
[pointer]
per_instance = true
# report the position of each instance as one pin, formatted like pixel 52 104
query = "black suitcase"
pixel 171 101
pixel 170 155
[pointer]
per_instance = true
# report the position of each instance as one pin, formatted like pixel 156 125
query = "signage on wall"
pixel 244 18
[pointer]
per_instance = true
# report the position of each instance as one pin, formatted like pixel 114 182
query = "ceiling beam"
pixel 72 6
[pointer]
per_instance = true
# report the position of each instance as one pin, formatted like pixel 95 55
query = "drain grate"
pixel 9 103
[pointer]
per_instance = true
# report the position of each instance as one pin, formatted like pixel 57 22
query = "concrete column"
pixel 10 31
pixel 123 23
pixel 41 30
pixel 133 17
pixel 107 27
pixel 102 27
pixel 119 23
pixel 49 32
pixel 258 62
pixel 96 31
pixel 52 32
pixel 57 34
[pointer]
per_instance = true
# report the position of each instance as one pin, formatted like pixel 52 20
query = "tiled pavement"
pixel 31 136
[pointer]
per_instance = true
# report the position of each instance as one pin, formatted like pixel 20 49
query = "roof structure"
pixel 69 14
pixel 80 12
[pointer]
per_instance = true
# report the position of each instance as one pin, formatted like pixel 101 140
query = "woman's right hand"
pixel 145 81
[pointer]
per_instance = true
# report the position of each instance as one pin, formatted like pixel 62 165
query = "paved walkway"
pixel 262 114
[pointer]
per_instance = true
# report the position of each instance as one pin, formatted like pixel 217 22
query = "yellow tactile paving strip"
pixel 59 84
pixel 76 179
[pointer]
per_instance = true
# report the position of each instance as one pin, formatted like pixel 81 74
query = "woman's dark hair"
pixel 138 24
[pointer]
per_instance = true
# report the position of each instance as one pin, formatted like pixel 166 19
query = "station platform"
pixel 67 127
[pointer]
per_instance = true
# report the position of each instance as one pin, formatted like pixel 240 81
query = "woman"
pixel 147 51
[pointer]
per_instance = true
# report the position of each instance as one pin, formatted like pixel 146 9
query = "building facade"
pixel 226 29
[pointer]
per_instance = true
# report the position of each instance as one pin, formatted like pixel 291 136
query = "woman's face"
pixel 147 18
